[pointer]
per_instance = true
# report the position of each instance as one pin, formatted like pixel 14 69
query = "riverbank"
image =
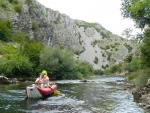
pixel 5 80
pixel 141 95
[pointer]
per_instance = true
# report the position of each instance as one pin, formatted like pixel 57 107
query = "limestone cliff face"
pixel 90 41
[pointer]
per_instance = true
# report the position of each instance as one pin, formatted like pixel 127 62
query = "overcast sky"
pixel 105 12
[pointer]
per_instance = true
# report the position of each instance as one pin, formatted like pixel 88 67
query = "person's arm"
pixel 37 80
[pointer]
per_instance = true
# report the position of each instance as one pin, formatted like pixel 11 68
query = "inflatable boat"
pixel 34 91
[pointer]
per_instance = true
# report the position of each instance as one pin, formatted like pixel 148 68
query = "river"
pixel 101 95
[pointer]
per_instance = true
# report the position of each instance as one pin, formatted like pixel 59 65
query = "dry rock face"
pixel 89 41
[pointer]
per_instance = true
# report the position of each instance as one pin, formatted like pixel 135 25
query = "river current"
pixel 100 95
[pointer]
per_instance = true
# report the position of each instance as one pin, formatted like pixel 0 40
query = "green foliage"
pixel 35 25
pixel 133 65
pixel 98 72
pixel 139 77
pixel 57 62
pixel 20 38
pixel 109 56
pixel 137 10
pixel 15 65
pixel 102 31
pixel 145 48
pixel 5 32
pixel 7 49
pixel 128 58
pixel 128 47
pixel 32 50
pixel 8 22
pixel 60 64
pixel 95 42
pixel 13 1
pixel 28 2
pixel 95 60
pixel 18 8
pixel 113 69
pixel 3 4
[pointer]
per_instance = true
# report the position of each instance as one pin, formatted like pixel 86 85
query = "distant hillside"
pixel 89 41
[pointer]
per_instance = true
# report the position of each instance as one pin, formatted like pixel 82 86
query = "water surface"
pixel 101 95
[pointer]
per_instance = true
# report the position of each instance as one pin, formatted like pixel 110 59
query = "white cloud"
pixel 105 12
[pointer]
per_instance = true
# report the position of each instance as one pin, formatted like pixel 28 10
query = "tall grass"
pixel 140 77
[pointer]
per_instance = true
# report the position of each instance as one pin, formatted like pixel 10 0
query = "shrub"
pixel 16 65
pixel 96 60
pixel 60 63
pixel 10 1
pixel 13 1
pixel 20 38
pixel 32 50
pixel 18 8
pixel 3 5
pixel 140 77
pixel 128 47
pixel 35 25
pixel 28 2
pixel 8 49
pixel 113 69
pixel 5 32
pixel 128 58
pixel 98 72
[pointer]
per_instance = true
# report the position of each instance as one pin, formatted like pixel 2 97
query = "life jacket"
pixel 46 76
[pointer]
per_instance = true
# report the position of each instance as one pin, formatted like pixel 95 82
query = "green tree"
pixel 61 64
pixel 137 10
pixel 18 8
pixel 145 48
pixel 57 62
pixel 15 65
pixel 5 32
pixel 32 50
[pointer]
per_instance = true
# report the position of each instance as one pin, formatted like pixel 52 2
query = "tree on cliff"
pixel 139 12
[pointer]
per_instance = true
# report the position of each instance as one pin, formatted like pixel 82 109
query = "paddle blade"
pixel 56 92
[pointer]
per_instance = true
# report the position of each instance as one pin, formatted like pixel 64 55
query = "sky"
pixel 105 12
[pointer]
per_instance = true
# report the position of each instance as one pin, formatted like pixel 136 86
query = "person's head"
pixel 41 75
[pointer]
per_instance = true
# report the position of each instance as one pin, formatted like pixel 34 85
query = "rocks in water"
pixel 5 80
pixel 14 80
pixel 85 80
pixel 148 83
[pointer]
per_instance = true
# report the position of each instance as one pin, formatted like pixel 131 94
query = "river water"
pixel 101 95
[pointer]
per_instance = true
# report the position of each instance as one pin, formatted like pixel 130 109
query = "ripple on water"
pixel 125 103
pixel 59 104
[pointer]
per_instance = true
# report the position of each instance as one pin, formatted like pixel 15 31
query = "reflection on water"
pixel 96 96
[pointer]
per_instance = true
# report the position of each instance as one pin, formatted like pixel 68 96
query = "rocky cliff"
pixel 89 41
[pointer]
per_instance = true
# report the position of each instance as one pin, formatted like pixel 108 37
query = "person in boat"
pixel 40 80
pixel 46 78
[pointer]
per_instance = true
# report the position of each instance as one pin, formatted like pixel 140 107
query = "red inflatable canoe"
pixel 36 92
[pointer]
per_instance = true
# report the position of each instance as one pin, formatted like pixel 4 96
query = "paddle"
pixel 56 92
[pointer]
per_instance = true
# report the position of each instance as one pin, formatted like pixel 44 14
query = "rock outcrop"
pixel 89 41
